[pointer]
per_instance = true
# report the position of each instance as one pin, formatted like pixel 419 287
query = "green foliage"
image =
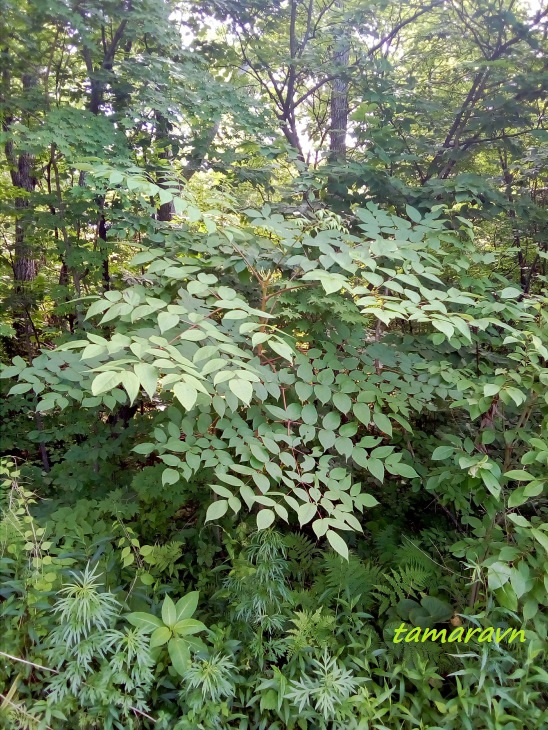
pixel 430 611
pixel 326 689
pixel 173 629
pixel 274 343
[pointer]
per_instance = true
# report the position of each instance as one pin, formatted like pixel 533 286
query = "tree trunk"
pixel 25 262
pixel 524 280
pixel 339 95
pixel 166 210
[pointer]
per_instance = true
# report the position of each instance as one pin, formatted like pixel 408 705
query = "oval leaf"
pixel 148 377
pixel 188 626
pixel 383 423
pixel 265 518
pixel 187 605
pixel 145 621
pixel 186 395
pixel 160 637
pixel 216 510
pixel 337 543
pixel 179 653
pixel 131 385
pixel 105 382
pixel 167 321
pixel 242 389
pixel 169 613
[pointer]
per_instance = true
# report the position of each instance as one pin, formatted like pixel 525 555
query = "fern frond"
pixel 349 579
pixel 411 553
pixel 302 553
pixel 311 629
pixel 387 542
pixel 400 583
pixel 164 557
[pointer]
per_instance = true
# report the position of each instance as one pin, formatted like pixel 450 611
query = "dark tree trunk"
pixel 524 279
pixel 104 251
pixel 25 264
pixel 99 76
pixel 339 119
pixel 339 96
pixel 25 261
pixel 166 210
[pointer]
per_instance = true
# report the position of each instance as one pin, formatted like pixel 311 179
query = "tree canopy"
pixel 274 346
